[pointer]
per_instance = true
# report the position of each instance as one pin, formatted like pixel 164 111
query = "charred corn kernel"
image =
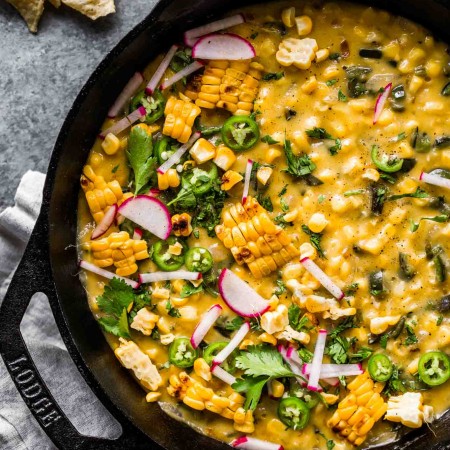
pixel 245 343
pixel 167 180
pixel 272 154
pixel 263 174
pixel 144 321
pixel 304 25
pixel 229 179
pixel 408 409
pixel 202 369
pixel 310 85
pixel 268 339
pixel 274 321
pixel 277 389
pixel 322 55
pixel 317 222
pixel 358 411
pixel 202 151
pixel 152 397
pixel 180 116
pixel 307 251
pixel 111 144
pixel 224 158
pixel 100 195
pixel 181 224
pixel 297 52
pixel 288 17
pixel 120 250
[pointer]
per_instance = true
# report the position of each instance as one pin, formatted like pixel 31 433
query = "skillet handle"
pixel 34 275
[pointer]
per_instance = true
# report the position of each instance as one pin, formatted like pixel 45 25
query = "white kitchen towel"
pixel 18 428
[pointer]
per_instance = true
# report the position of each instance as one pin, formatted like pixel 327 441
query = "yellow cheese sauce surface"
pixel 356 242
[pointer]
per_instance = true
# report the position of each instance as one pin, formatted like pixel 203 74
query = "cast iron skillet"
pixel 50 261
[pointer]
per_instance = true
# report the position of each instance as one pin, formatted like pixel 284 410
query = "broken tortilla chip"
pixel 55 3
pixel 92 8
pixel 30 10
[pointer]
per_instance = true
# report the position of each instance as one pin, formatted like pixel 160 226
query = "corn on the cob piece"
pixel 181 224
pixel 231 85
pixel 359 410
pixel 193 393
pixel 100 195
pixel 120 250
pixel 168 179
pixel 254 239
pixel 180 116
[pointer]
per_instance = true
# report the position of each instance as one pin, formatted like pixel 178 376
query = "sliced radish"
pixel 435 179
pixel 335 370
pixel 251 443
pixel 321 276
pixel 166 276
pixel 137 234
pixel 153 192
pixel 223 46
pixel 223 375
pixel 296 369
pixel 233 344
pixel 156 78
pixel 205 325
pixel 313 383
pixel 175 157
pixel 248 173
pixel 331 381
pixel 191 68
pixel 191 36
pixel 105 223
pixel 128 91
pixel 239 296
pixel 124 123
pixel 149 213
pixel 381 101
pixel 106 273
pixel 293 356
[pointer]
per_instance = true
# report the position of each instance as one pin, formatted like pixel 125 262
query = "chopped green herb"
pixel 265 202
pixel 315 239
pixel 418 193
pixel 254 35
pixel 297 322
pixel 297 166
pixel 331 82
pixel 273 76
pixel 305 354
pixel 284 205
pixel 281 287
pixel 173 312
pixel 415 226
pixel 280 220
pixel 384 340
pixel 330 443
pixel 342 97
pixel 354 192
pixel 395 384
pixel 252 387
pixel 321 198
pixel 336 147
pixel 439 320
pixel 269 140
pixel 283 190
pixel 114 169
pixel 411 338
pixel 334 56
pixel 318 133
pixel 351 289
pixel 188 289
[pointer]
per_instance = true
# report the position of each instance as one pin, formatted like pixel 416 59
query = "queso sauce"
pixel 359 237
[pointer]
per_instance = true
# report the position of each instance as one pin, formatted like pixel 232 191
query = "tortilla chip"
pixel 30 10
pixel 55 3
pixel 92 8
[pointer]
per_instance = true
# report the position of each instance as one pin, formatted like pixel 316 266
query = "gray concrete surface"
pixel 40 76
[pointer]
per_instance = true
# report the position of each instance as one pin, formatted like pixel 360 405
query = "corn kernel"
pixel 152 397
pixel 202 151
pixel 288 17
pixel 224 158
pixel 317 223
pixel 272 154
pixel 309 86
pixel 415 84
pixel 230 179
pixel 304 25
pixel 263 174
pixel 322 55
pixel 111 144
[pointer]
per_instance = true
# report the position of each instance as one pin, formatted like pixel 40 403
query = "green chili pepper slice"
pixel 434 368
pixel 210 352
pixel 163 149
pixel 182 354
pixel 153 104
pixel 310 398
pixel 240 133
pixel 294 413
pixel 380 367
pixel 198 259
pixel 201 179
pixel 384 163
pixel 165 260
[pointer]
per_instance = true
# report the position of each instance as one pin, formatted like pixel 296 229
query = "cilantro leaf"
pixel 419 193
pixel 315 239
pixel 411 338
pixel 441 219
pixel 395 384
pixel 281 287
pixel 188 289
pixel 273 76
pixel 172 311
pixel 269 140
pixel 331 82
pixel 318 133
pixel 265 202
pixel 252 387
pixel 342 97
pixel 262 360
pixel 298 166
pixel 295 321
pixel 140 156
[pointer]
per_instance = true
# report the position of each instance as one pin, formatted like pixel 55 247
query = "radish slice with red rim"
pixel 296 369
pixel 381 101
pixel 313 383
pixel 124 123
pixel 322 277
pixel 159 72
pixel 191 36
pixel 106 273
pixel 137 234
pixel 105 223
pixel 239 296
pixel 166 276
pixel 202 328
pixel 149 213
pixel 223 46
pixel 233 344
pixel 196 65
pixel 176 156
pixel 436 180
pixel 335 370
pixel 128 91
pixel 251 443
pixel 293 356
pixel 248 174
pixel 223 375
